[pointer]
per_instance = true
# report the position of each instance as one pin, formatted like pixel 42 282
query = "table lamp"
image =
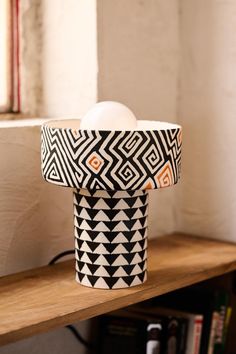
pixel 111 160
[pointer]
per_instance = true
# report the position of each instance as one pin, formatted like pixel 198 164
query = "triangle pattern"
pixel 85 258
pixel 112 202
pixel 120 272
pixel 83 203
pixel 101 238
pixel 93 268
pixel 101 272
pixel 101 249
pixel 130 212
pixel 120 216
pixel 144 210
pixel 101 216
pixel 138 203
pixel 92 280
pixel 120 249
pixel 137 247
pixel 101 205
pixel 120 283
pixel 120 260
pixel 101 260
pixel 138 236
pixel 111 270
pixel 136 270
pixel 130 224
pixel 120 238
pixel 111 193
pixel 130 201
pixel 138 214
pixel 86 270
pixel 101 284
pixel 121 204
pixel 120 226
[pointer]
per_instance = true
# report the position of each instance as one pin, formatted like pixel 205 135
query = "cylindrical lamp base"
pixel 110 238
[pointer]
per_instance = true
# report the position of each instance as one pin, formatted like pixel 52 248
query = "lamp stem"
pixel 110 238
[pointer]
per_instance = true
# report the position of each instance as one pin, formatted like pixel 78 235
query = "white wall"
pixel 207 111
pixel 36 218
pixel 138 55
pixel 69 57
pixel 58 50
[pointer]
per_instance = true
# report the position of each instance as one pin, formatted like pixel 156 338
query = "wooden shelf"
pixel 38 300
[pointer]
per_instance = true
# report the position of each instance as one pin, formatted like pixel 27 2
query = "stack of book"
pixel 188 321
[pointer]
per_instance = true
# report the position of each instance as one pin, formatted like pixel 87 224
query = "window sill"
pixel 12 120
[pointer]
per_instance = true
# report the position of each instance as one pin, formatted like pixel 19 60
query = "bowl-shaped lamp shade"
pixel 111 172
pixel 147 158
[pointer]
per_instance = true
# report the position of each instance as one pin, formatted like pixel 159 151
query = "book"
pixel 226 326
pixel 173 333
pixel 214 321
pixel 125 333
pixel 190 327
pixel 205 301
pixel 221 305
pixel 197 299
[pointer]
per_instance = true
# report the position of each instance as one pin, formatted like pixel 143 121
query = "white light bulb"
pixel 109 115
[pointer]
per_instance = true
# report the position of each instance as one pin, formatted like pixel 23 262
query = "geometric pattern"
pixel 111 160
pixel 110 238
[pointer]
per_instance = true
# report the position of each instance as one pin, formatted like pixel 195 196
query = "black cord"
pixel 60 255
pixel 79 337
pixel 71 327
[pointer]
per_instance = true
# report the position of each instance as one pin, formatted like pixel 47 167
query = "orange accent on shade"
pixel 165 176
pixel 75 132
pixel 148 186
pixel 179 137
pixel 95 162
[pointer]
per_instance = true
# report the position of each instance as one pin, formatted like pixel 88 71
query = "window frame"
pixel 9 47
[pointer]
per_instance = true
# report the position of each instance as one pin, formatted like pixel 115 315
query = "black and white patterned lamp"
pixel 111 160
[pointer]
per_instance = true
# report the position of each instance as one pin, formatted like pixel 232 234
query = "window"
pixel 9 56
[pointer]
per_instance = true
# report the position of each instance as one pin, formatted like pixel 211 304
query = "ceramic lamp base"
pixel 110 238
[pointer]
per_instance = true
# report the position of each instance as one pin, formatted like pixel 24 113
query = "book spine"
pixel 197 335
pixel 183 336
pixel 222 303
pixel 194 334
pixel 214 321
pixel 172 336
pixel 226 326
pixel 153 338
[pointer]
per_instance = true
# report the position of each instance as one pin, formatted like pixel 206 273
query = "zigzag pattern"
pixel 110 238
pixel 103 160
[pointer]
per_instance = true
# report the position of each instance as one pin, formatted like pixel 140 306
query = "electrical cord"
pixel 60 255
pixel 71 328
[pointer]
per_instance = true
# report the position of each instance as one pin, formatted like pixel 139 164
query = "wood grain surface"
pixel 38 300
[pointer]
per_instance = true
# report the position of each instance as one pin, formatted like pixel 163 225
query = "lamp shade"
pixel 146 158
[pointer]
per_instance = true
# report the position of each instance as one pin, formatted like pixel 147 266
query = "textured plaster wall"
pixel 69 57
pixel 207 109
pixel 35 223
pixel 58 57
pixel 138 56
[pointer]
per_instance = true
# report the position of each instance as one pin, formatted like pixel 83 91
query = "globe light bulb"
pixel 109 115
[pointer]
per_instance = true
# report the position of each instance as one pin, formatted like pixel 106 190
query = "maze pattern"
pixel 111 160
pixel 110 238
